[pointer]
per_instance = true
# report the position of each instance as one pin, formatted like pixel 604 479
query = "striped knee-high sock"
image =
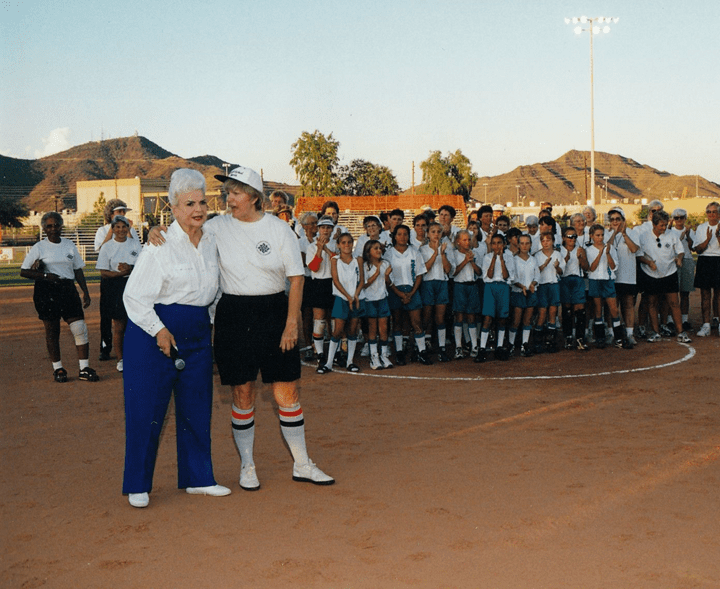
pixel 243 426
pixel 292 425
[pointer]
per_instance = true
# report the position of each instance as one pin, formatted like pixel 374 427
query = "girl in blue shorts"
pixel 466 298
pixel 523 297
pixel 498 271
pixel 551 266
pixel 572 290
pixel 347 277
pixel 434 287
pixel 377 274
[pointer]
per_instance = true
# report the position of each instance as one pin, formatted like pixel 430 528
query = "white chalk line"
pixel 690 354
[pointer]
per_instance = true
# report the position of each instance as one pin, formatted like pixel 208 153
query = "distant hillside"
pixel 563 181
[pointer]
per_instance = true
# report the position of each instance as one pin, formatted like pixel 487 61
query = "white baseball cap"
pixel 122 208
pixel 244 175
pixel 617 210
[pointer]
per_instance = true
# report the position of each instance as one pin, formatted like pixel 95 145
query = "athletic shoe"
pixel 716 322
pixel 309 354
pixel 569 343
pixel 631 340
pixel 704 330
pixel 60 375
pixel 375 362
pixel 89 375
pixel 525 351
pixel 683 338
pixel 309 473
pixel 120 366
pixel 139 499
pixel 386 362
pixel 353 368
pixel 104 357
pixel 365 352
pixel 424 358
pixel 665 331
pixel 322 369
pixel 212 491
pixel 653 338
pixel 502 353
pixel 442 356
pixel 480 356
pixel 640 332
pixel 474 352
pixel 400 358
pixel 582 345
pixel 687 326
pixel 459 354
pixel 551 346
pixel 628 343
pixel 248 478
pixel 619 343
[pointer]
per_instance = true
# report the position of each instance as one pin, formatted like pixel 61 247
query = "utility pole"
pixel 413 177
pixel 485 185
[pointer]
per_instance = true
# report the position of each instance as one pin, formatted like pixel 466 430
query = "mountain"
pixel 41 180
pixel 563 181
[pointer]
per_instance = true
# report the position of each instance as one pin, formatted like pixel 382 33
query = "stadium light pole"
pixel 593 29
pixel 485 185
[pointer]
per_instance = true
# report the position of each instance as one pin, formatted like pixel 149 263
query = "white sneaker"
pixel 459 354
pixel 683 338
pixel 386 361
pixel 139 499
pixel 654 338
pixel 474 352
pixel 704 330
pixel 375 362
pixel 309 473
pixel 213 491
pixel 248 478
pixel 120 366
pixel 365 352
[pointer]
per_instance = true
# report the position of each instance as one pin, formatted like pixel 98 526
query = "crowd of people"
pixel 504 290
pixel 267 281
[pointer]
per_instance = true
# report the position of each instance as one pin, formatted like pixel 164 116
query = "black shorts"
pixel 624 290
pixel 319 293
pixel 660 286
pixel 707 272
pixel 55 300
pixel 113 289
pixel 306 293
pixel 248 331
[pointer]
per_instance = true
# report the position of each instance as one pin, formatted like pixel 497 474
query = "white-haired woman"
pixel 55 265
pixel 167 298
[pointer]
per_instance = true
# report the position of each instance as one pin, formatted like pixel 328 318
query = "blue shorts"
pixel 519 301
pixel 548 295
pixel 395 303
pixel 377 309
pixel 602 289
pixel 434 292
pixel 496 300
pixel 341 309
pixel 572 290
pixel 466 298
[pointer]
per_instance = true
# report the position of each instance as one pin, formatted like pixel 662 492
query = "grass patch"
pixel 10 275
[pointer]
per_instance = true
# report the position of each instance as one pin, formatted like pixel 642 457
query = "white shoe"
pixel 309 473
pixel 683 338
pixel 704 330
pixel 386 361
pixel 248 478
pixel 139 499
pixel 375 362
pixel 213 491
pixel 120 366
pixel 365 351
pixel 474 352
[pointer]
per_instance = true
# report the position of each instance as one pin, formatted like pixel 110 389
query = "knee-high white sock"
pixel 292 425
pixel 243 426
pixel 441 335
pixel 334 345
pixel 473 335
pixel 458 329
pixel 352 344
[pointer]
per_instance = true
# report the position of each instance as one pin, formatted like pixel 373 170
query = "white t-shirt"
pixel 102 232
pixel 497 271
pixel 349 276
pixel 436 272
pixel 456 257
pixel 700 235
pixel 662 250
pixel 61 258
pixel 377 291
pixel 113 253
pixel 406 266
pixel 324 271
pixel 526 272
pixel 548 275
pixel 175 272
pixel 626 271
pixel 684 242
pixel 603 270
pixel 255 258
pixel 572 264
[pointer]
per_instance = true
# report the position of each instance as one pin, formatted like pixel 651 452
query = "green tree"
pixel 362 178
pixel 451 174
pixel 11 211
pixel 315 161
pixel 97 217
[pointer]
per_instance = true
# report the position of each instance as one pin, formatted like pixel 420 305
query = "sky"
pixel 507 82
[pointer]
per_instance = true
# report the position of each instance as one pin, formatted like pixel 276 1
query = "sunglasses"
pixel 679 218
pixel 616 218
pixel 571 237
pixel 658 242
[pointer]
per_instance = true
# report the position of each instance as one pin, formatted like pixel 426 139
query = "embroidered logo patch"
pixel 70 257
pixel 263 247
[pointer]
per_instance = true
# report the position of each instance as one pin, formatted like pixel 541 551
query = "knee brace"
pixel 80 332
pixel 318 327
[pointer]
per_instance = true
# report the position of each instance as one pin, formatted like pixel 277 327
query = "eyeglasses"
pixel 654 211
pixel 679 218
pixel 616 218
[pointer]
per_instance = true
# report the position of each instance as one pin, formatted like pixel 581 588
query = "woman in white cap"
pixel 686 274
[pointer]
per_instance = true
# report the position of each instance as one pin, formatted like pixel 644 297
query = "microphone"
pixel 179 362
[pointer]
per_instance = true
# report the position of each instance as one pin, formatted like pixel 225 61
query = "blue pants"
pixel 150 379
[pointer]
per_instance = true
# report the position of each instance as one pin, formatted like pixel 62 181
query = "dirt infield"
pixel 610 479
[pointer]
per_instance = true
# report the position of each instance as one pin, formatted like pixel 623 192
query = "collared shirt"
pixel 406 266
pixel 548 275
pixel 348 275
pixel 61 258
pixel 377 291
pixel 700 235
pixel 662 250
pixel 113 253
pixel 456 257
pixel 603 270
pixel 626 270
pixel 436 272
pixel 572 264
pixel 255 257
pixel 526 272
pixel 324 271
pixel 175 272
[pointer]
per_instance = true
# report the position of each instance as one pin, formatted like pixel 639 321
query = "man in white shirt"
pixel 706 240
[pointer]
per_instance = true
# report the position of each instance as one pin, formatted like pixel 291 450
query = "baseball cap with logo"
pixel 244 175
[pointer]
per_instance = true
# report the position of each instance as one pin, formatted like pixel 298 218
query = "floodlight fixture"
pixel 583 19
